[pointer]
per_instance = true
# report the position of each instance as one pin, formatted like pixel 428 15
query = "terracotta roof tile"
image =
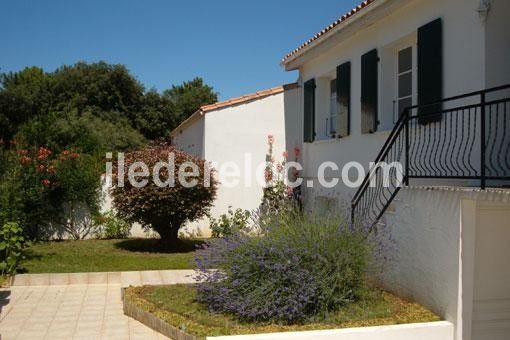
pixel 327 29
pixel 242 99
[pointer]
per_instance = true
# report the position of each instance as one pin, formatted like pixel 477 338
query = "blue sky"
pixel 235 46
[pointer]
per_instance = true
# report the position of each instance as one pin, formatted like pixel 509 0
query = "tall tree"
pixel 190 96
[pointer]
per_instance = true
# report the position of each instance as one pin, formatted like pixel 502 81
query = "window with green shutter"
pixel 309 111
pixel 369 91
pixel 430 70
pixel 343 97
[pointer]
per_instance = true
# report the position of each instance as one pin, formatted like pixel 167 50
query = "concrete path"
pixel 125 279
pixel 76 306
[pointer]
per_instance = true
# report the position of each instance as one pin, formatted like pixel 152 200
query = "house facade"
pixel 235 133
pixel 423 83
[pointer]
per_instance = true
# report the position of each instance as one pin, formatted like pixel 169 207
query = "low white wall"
pixel 426 226
pixel 441 330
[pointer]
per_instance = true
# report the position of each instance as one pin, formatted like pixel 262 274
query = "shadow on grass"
pixel 29 256
pixel 155 246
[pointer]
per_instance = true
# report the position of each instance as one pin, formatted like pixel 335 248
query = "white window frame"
pixel 333 116
pixel 404 44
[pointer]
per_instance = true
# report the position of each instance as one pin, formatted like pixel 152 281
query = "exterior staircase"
pixel 459 141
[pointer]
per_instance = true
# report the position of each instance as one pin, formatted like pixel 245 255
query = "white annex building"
pixel 236 131
pixel 423 83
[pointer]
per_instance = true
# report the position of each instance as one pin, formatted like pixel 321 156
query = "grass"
pixel 177 305
pixel 106 255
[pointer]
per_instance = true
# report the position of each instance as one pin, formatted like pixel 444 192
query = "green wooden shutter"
pixel 309 111
pixel 369 91
pixel 343 97
pixel 430 70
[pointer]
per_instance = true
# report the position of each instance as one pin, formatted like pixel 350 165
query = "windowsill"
pixel 384 133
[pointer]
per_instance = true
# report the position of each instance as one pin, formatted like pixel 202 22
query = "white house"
pixel 235 133
pixel 365 83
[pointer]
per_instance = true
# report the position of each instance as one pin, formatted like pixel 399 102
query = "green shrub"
pixel 12 245
pixel 298 268
pixel 228 223
pixel 113 227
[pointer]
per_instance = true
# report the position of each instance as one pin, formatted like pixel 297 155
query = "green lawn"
pixel 177 305
pixel 106 255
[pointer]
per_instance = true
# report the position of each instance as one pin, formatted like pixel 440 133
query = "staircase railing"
pixel 461 140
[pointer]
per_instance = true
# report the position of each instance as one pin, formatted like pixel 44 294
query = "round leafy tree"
pixel 167 195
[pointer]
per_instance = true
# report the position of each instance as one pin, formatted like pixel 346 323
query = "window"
pixel 333 109
pixel 404 80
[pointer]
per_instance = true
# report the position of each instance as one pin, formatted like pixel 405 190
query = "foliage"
pixel 23 95
pixel 190 96
pixel 45 191
pixel 12 245
pixel 228 224
pixel 108 94
pixel 177 305
pixel 159 116
pixel 87 132
pixel 113 227
pixel 299 267
pixel 164 208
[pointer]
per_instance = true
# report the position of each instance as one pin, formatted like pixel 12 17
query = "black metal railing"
pixel 462 140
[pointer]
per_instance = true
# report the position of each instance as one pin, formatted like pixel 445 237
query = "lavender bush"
pixel 297 268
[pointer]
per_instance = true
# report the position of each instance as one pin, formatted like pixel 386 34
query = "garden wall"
pixel 441 330
pixel 428 263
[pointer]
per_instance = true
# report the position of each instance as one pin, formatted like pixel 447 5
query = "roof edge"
pixel 334 27
pixel 233 102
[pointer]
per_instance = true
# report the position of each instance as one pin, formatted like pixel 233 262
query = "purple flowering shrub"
pixel 297 268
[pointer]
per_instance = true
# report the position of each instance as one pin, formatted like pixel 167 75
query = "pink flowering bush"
pixel 42 189
pixel 276 192
pixel 164 209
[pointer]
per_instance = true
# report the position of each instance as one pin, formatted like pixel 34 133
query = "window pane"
pixel 405 85
pixel 405 60
pixel 403 103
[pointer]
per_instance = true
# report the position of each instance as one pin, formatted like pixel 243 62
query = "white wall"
pixel 190 139
pixel 464 71
pixel 429 228
pixel 233 133
pixel 498 43
pixel 420 331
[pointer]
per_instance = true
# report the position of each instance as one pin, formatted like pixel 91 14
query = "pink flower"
pixel 46 182
pixel 297 152
pixel 285 154
pixel 268 175
pixel 270 139
pixel 279 167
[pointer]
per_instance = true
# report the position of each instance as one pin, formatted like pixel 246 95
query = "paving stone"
pixel 98 278
pixel 151 277
pixel 39 279
pixel 59 279
pixel 130 279
pixel 78 278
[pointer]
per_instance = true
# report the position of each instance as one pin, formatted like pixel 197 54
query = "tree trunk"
pixel 169 235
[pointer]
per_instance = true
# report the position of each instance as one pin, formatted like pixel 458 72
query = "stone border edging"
pixel 153 322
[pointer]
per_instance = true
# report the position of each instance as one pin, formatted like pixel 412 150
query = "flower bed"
pixel 175 310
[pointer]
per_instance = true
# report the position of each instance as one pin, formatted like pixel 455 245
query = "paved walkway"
pixel 65 307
